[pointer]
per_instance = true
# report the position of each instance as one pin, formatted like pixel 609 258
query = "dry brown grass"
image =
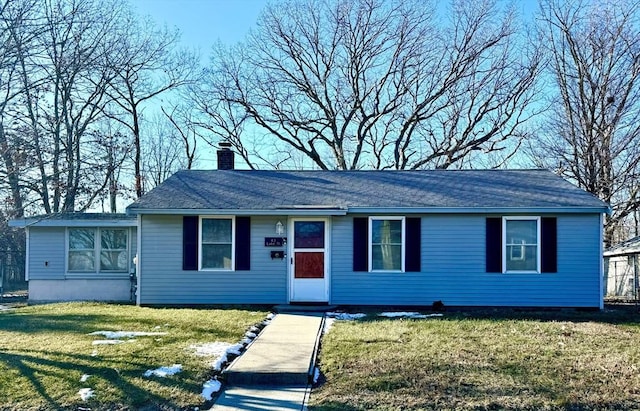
pixel 479 361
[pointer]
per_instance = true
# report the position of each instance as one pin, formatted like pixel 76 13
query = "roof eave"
pixel 482 210
pixel 239 212
pixel 27 222
pixel 372 210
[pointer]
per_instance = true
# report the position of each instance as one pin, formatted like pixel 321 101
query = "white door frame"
pixel 305 289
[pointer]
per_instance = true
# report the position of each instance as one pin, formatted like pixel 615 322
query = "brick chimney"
pixel 225 156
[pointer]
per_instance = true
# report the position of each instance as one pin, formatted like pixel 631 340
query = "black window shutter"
pixel 549 244
pixel 360 244
pixel 243 243
pixel 190 242
pixel 412 248
pixel 494 245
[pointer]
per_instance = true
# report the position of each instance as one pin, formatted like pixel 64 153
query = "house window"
pixel 98 250
pixel 522 244
pixel 216 242
pixel 113 250
pixel 386 243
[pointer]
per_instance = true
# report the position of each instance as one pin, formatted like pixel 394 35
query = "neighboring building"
pixel 80 256
pixel 622 267
pixel 466 238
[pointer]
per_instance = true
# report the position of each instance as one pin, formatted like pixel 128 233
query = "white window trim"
pixel 538 244
pixel 97 248
pixel 233 242
pixel 370 243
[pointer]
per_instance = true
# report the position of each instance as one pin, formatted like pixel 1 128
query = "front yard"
pixel 497 360
pixel 49 360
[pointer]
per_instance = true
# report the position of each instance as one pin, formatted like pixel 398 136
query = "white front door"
pixel 309 262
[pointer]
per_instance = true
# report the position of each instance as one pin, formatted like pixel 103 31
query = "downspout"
pixel 601 261
pixel 139 258
pixel 26 262
pixel 635 278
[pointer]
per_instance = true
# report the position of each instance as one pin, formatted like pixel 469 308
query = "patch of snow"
pixel 235 349
pixel 114 335
pixel 346 316
pixel 328 323
pixel 4 308
pixel 251 335
pixel 316 375
pixel 94 353
pixel 217 364
pixel 214 349
pixel 86 393
pixel 164 371
pixel 254 330
pixel 407 314
pixel 209 388
pixel 220 350
pixel 270 316
pixel 84 377
pixel 107 342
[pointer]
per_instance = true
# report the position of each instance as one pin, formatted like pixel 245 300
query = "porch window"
pixel 216 242
pixel 522 244
pixel 386 243
pixel 97 250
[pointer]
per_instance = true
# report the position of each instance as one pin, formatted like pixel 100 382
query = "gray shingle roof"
pixel 630 246
pixel 449 189
pixel 75 218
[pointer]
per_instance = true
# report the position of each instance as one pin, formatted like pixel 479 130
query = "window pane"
pixel 386 231
pixel 522 258
pixel 81 261
pixel 522 245
pixel 113 239
pixel 113 260
pixel 216 230
pixel 81 238
pixel 216 256
pixel 386 257
pixel 522 232
pixel 308 234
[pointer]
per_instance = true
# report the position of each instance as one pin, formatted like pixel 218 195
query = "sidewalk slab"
pixel 262 398
pixel 282 355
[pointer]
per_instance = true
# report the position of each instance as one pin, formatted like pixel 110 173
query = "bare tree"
pixel 375 84
pixel 106 151
pixel 64 76
pixel 181 118
pixel 164 154
pixel 14 15
pixel 148 63
pixel 593 133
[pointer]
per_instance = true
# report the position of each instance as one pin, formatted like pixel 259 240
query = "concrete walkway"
pixel 276 371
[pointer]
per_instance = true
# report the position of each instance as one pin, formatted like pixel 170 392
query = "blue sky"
pixel 204 22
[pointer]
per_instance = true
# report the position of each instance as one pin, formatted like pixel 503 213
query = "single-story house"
pixel 463 237
pixel 80 256
pixel 622 268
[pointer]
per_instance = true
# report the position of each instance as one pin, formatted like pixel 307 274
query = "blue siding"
pixel 48 245
pixel 162 280
pixel 453 268
pixel 47 253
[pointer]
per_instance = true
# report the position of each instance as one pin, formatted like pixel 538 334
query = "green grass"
pixel 499 361
pixel 45 349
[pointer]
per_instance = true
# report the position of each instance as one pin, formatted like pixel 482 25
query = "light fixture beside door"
pixel 279 228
